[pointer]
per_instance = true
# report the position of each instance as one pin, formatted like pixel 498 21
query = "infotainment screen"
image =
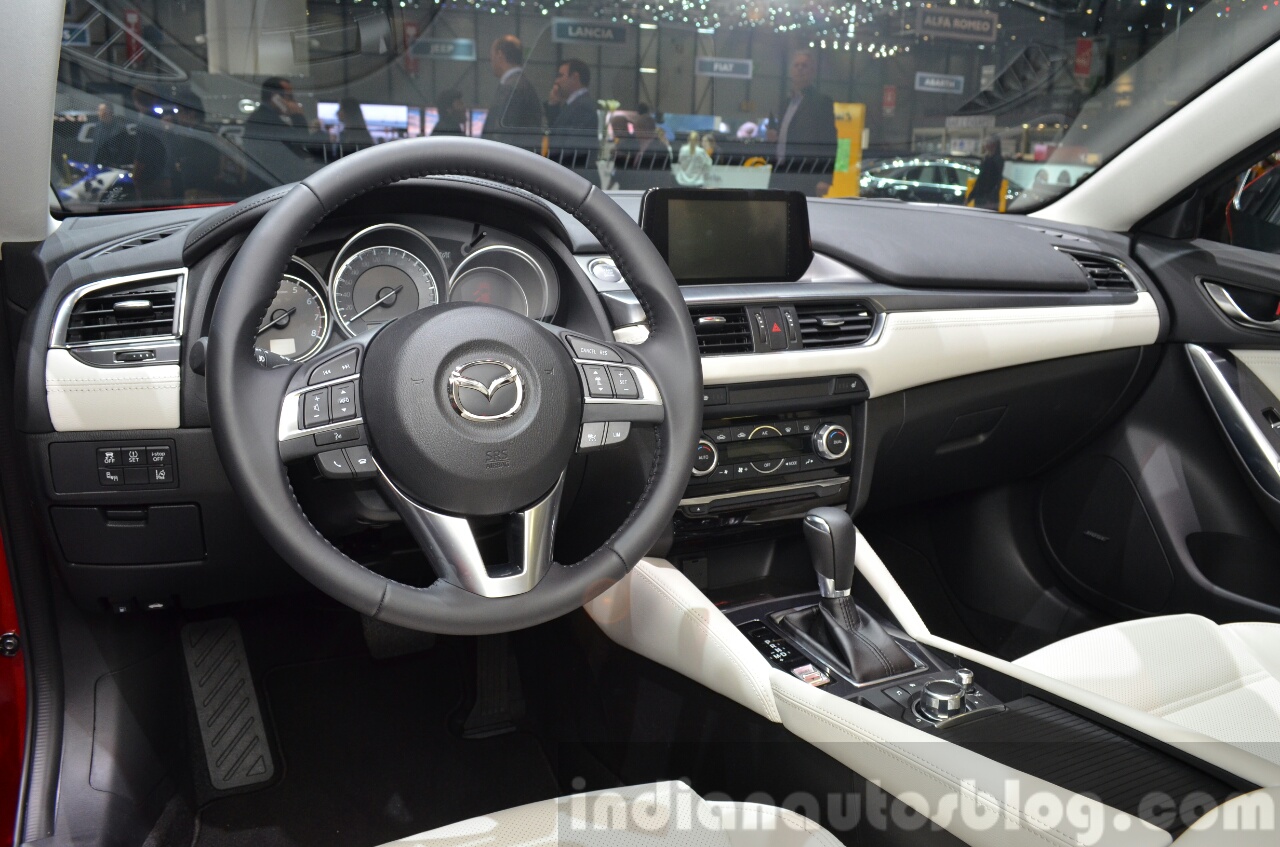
pixel 728 235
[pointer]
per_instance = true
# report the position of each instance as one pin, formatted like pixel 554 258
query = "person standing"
pixel 112 145
pixel 807 129
pixel 571 111
pixel 986 188
pixel 355 133
pixel 516 108
pixel 453 114
pixel 278 107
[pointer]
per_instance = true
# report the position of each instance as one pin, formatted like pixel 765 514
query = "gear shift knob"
pixel 832 542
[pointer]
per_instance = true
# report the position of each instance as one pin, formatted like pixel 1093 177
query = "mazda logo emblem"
pixel 486 390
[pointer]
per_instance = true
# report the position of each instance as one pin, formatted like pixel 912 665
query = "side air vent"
pixel 139 240
pixel 722 330
pixel 125 311
pixel 1104 273
pixel 842 324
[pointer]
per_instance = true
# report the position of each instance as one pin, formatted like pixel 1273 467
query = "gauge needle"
pixel 266 326
pixel 392 293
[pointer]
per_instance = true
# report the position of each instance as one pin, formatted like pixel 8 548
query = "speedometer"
pixel 379 284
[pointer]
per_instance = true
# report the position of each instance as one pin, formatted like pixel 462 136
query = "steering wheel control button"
pixel 360 460
pixel 705 457
pixel 831 442
pixel 335 368
pixel 592 436
pixel 624 384
pixel 110 476
pixel 338 436
pixel 592 351
pixel 315 408
pixel 342 402
pixel 941 699
pixel 598 384
pixel 334 464
pixel 616 433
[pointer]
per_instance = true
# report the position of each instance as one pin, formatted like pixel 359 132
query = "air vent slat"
pixel 1104 273
pixel 721 330
pixel 140 240
pixel 845 323
pixel 95 318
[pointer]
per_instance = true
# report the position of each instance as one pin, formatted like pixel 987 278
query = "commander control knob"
pixel 705 458
pixel 831 441
pixel 942 699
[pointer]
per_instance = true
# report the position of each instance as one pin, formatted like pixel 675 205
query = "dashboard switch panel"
pixel 80 466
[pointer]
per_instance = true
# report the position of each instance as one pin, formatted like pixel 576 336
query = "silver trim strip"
pixel 833 482
pixel 1222 298
pixel 167 353
pixel 58 337
pixel 1261 459
pixel 289 428
pixel 451 546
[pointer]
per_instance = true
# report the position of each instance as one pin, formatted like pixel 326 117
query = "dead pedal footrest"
pixel 227 710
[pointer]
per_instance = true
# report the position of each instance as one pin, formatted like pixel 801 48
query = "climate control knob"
pixel 831 441
pixel 705 458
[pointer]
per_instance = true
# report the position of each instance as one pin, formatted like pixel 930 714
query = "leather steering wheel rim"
pixel 245 424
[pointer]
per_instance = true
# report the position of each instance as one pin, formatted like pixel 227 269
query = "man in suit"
pixel 571 111
pixel 516 113
pixel 807 130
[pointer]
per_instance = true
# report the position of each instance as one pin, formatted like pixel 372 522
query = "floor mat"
pixel 367 757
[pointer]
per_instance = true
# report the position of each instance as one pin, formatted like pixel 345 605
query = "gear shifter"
pixel 853 641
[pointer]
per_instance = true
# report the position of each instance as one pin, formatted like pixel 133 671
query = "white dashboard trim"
pixel 917 348
pixel 83 398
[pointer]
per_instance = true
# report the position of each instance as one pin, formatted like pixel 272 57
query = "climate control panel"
pixel 755 449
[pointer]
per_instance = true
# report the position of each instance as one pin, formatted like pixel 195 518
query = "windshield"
pixel 1001 105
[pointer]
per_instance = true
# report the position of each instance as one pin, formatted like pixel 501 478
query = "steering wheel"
pixel 456 411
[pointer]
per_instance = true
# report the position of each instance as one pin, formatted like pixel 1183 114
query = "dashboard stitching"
pixel 219 221
pixel 484 175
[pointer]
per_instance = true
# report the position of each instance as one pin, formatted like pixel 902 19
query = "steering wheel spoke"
pixel 321 416
pixel 451 546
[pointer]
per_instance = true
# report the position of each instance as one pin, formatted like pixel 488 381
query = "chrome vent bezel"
pixel 737 323
pixel 62 322
pixel 1130 282
pixel 808 314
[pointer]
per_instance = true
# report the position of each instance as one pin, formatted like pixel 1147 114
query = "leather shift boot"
pixel 855 643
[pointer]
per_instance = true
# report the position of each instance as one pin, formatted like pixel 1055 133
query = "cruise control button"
pixel 110 476
pixel 315 408
pixel 360 461
pixel 624 383
pixel 337 436
pixel 334 465
pixel 108 457
pixel 592 436
pixel 616 433
pixel 585 348
pixel 162 455
pixel 342 402
pixel 335 368
pixel 161 475
pixel 598 384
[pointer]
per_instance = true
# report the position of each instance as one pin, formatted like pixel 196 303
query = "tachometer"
pixel 296 324
pixel 383 273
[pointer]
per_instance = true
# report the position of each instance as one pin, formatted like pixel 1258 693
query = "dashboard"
pixel 924 350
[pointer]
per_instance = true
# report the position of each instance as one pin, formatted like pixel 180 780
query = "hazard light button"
pixel 775 328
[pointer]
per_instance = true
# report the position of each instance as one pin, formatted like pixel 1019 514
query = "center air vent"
pixel 840 324
pixel 126 311
pixel 721 330
pixel 1104 273
pixel 139 240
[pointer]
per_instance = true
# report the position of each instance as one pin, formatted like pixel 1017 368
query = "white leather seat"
pixel 666 814
pixel 1222 681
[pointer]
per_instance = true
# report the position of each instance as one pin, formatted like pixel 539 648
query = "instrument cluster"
pixel 387 270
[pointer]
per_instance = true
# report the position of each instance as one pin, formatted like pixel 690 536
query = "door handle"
pixel 1222 298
